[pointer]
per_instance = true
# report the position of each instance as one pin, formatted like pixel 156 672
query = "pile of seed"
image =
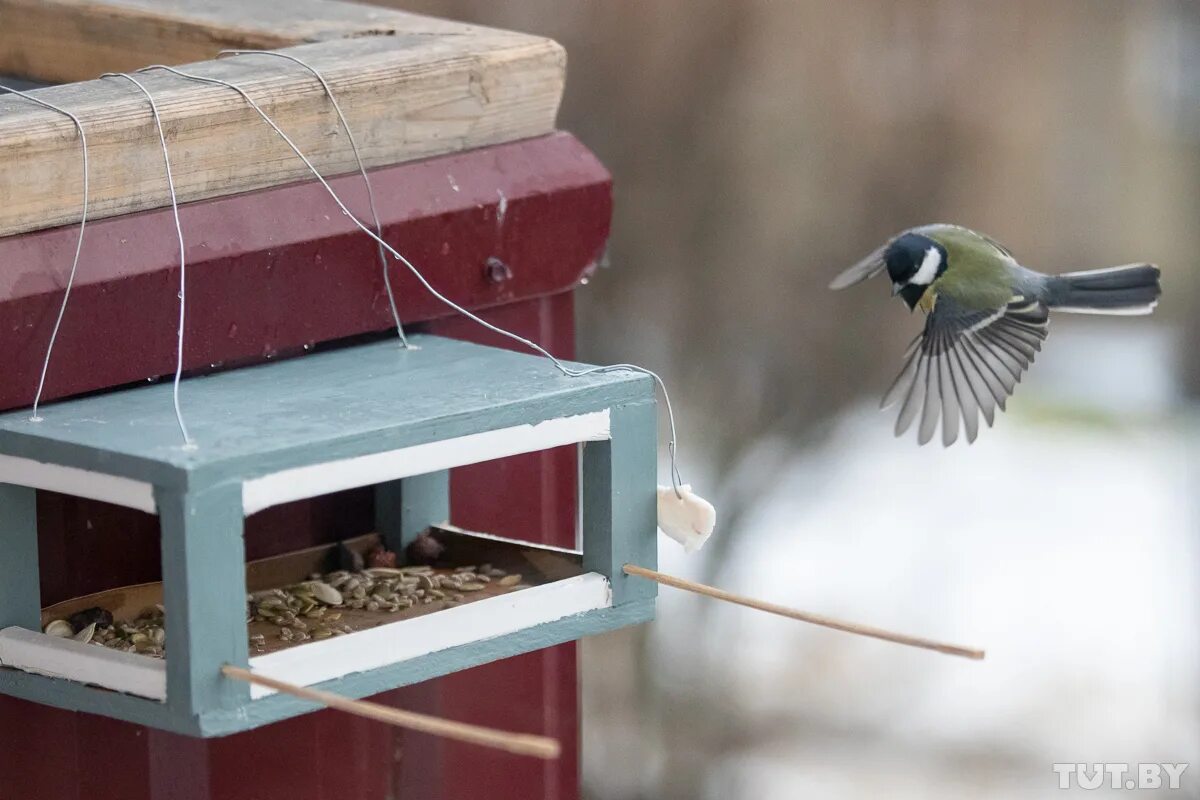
pixel 313 609
pixel 145 635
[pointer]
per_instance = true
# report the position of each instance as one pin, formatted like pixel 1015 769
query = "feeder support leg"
pixel 204 591
pixel 405 508
pixel 620 517
pixel 20 588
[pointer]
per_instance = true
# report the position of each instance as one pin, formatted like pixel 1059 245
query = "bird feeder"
pixel 374 415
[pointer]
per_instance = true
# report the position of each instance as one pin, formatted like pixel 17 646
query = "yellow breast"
pixel 928 300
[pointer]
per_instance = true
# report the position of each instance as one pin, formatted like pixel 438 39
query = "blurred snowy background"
pixel 757 148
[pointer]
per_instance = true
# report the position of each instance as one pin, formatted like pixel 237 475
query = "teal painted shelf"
pixel 373 415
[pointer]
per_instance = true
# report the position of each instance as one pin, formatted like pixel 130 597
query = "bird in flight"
pixel 986 319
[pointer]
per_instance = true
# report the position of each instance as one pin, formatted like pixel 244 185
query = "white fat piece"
pixel 928 269
pixel 687 517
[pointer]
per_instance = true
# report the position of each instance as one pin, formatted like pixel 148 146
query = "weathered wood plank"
pixel 409 95
pixel 60 41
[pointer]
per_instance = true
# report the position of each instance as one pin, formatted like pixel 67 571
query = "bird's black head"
pixel 913 262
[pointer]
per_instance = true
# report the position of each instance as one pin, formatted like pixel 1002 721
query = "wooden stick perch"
pixel 524 744
pixel 815 619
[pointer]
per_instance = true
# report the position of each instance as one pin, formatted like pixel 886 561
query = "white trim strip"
pixel 491 537
pixel 397 642
pixel 349 473
pixel 83 663
pixel 78 483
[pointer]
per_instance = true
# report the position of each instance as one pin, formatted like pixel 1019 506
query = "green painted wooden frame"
pixel 269 434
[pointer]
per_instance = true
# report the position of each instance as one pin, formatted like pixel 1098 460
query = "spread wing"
pixel 966 362
pixel 869 267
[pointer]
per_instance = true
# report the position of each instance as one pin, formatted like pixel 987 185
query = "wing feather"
pixel 968 394
pixel 967 362
pixel 868 267
pixel 915 396
pixel 933 397
pixel 903 381
pixel 951 402
pixel 991 391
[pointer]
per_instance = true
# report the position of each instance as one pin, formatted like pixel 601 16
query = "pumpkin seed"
pixel 326 593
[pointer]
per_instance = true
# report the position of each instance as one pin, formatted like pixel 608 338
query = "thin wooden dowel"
pixel 791 613
pixel 524 744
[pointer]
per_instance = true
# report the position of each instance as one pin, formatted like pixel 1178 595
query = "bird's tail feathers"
pixel 1128 289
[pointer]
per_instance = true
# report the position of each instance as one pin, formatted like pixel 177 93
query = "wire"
pixel 62 309
pixel 387 282
pixel 162 138
pixel 676 480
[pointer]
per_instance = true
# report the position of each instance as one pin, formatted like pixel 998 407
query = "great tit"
pixel 986 318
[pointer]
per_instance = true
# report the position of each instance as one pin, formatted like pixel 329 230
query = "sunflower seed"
pixel 60 628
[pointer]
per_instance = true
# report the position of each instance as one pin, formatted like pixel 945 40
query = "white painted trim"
pixel 78 483
pixel 397 642
pixel 56 657
pixel 491 537
pixel 350 473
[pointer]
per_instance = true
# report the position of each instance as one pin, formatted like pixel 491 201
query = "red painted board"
pixel 272 271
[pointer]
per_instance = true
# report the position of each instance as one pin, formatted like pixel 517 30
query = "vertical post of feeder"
pixel 620 518
pixel 405 508
pixel 204 593
pixel 20 586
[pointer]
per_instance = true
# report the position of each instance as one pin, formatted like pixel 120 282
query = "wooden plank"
pixel 619 506
pixel 33 474
pixel 434 457
pixel 417 635
pixel 406 507
pixel 407 96
pixel 204 594
pixel 60 41
pixel 83 663
pixel 557 602
pixel 422 668
pixel 19 582
pixel 327 407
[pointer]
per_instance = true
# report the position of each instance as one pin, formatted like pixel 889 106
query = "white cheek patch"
pixel 929 268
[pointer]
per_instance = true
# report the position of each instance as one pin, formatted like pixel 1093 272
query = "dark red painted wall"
pixel 270 272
